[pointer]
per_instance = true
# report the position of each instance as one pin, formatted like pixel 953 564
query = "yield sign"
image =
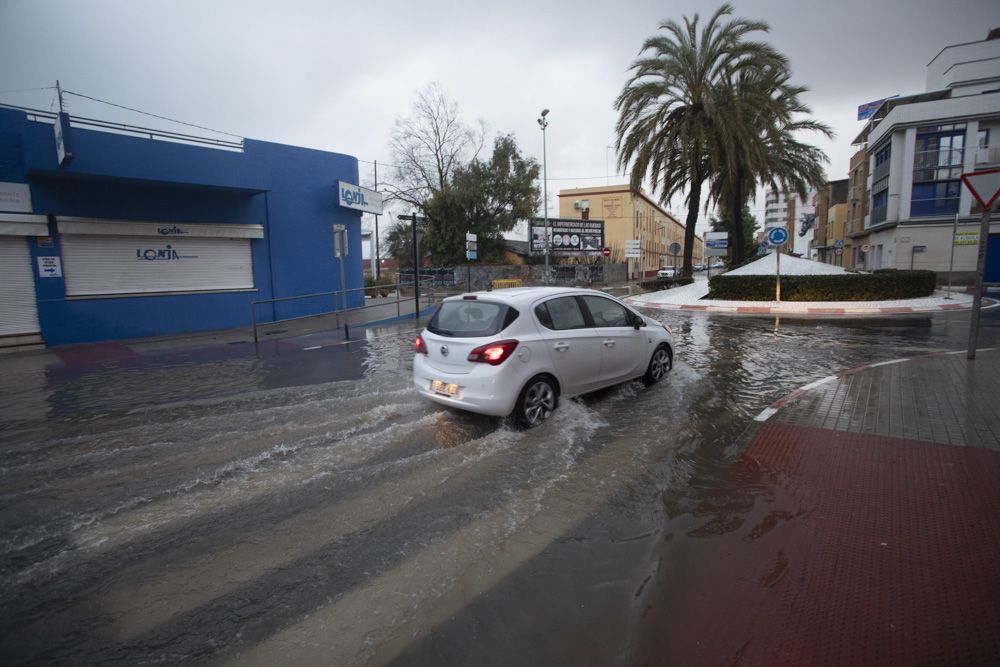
pixel 984 185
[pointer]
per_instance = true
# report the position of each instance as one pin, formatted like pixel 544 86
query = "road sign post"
pixel 985 186
pixel 777 237
pixel 633 250
pixel 471 250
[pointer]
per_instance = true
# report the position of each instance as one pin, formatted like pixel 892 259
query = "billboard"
pixel 866 111
pixel 570 237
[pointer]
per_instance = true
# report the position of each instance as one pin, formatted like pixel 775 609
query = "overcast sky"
pixel 335 76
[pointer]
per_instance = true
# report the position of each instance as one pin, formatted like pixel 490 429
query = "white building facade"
pixel 918 148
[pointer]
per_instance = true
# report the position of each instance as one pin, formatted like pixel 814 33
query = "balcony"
pixel 988 156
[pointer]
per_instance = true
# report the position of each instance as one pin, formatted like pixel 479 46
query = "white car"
pixel 666 272
pixel 517 351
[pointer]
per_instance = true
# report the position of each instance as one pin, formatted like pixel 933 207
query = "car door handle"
pixel 560 347
pixel 609 342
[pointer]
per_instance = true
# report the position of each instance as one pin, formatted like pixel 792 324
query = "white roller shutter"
pixel 18 312
pixel 105 265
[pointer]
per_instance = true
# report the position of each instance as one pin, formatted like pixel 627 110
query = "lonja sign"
pixel 359 198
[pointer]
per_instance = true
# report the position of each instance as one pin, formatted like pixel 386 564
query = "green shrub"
pixel 664 283
pixel 878 286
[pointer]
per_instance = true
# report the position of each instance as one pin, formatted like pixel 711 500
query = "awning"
pixel 71 225
pixel 23 224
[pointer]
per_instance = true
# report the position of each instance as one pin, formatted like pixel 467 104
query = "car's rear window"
pixel 471 319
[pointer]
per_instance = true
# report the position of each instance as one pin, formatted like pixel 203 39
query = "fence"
pixel 475 277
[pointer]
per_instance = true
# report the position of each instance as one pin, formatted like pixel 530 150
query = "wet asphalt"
pixel 306 507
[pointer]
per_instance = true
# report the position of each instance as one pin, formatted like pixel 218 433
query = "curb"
pixel 772 409
pixel 817 310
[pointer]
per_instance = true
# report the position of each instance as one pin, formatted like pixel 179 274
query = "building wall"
pixel 629 215
pixel 290 192
pixel 836 225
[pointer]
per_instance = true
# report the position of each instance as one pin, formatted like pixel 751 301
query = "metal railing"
pixel 988 155
pixel 342 314
pixel 39 115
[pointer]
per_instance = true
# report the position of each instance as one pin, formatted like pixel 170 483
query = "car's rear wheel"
pixel 537 401
pixel 659 365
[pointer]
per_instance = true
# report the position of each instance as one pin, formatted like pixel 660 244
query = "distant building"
pixel 791 211
pixel 918 146
pixel 630 214
pixel 831 217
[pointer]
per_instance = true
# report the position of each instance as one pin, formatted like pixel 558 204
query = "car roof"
pixel 523 295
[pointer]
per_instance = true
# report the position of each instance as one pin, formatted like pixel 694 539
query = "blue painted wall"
pixel 290 191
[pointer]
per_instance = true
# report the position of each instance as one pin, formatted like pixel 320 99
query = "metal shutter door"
pixel 100 265
pixel 18 313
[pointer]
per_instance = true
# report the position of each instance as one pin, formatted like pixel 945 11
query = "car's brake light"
pixel 419 346
pixel 493 354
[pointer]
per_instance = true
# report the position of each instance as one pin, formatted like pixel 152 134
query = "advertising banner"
pixel 570 238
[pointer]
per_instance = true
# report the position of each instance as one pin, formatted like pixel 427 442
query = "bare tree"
pixel 429 145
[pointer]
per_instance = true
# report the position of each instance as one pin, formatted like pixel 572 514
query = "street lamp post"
pixel 544 123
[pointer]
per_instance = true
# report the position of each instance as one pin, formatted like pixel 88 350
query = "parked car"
pixel 666 272
pixel 516 352
pixel 699 267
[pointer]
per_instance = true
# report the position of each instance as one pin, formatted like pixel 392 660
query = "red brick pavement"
pixel 856 549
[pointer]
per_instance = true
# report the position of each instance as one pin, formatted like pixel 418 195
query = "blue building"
pixel 105 234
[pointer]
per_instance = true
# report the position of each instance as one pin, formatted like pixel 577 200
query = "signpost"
pixel 340 251
pixel 633 250
pixel 985 186
pixel 777 237
pixel 471 250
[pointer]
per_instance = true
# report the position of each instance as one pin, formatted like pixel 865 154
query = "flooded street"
pixel 308 507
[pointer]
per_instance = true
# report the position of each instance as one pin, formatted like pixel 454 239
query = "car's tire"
pixel 538 399
pixel 659 365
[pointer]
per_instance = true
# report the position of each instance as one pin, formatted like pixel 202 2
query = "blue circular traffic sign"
pixel 777 235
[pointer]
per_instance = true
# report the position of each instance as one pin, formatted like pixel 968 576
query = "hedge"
pixel 665 283
pixel 879 286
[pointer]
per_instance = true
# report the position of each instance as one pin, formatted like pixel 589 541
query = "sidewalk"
pixel 873 536
pixel 691 297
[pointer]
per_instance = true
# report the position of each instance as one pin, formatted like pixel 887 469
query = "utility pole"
pixel 62 107
pixel 544 123
pixel 378 254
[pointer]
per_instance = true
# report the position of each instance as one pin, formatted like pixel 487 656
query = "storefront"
pixel 17 286
pixel 139 236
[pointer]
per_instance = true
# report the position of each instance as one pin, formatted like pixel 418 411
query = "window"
pixel 607 313
pixel 935 199
pixel 937 167
pixel 880 184
pixel 470 319
pixel 561 314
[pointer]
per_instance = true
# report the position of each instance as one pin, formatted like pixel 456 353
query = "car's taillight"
pixel 493 354
pixel 419 346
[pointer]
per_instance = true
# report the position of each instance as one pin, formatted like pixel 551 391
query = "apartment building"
pixel 829 244
pixel 917 148
pixel 857 200
pixel 630 214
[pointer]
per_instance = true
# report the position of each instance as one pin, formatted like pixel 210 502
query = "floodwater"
pixel 307 507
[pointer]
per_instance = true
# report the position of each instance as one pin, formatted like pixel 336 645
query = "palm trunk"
pixel 694 200
pixel 736 216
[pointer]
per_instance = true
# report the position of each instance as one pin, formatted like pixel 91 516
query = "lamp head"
pixel 545 112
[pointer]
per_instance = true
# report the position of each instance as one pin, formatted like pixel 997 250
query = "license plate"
pixel 445 388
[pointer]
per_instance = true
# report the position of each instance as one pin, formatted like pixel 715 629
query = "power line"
pixel 26 90
pixel 146 113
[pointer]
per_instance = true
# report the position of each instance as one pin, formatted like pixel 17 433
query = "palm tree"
pixel 669 122
pixel 765 115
